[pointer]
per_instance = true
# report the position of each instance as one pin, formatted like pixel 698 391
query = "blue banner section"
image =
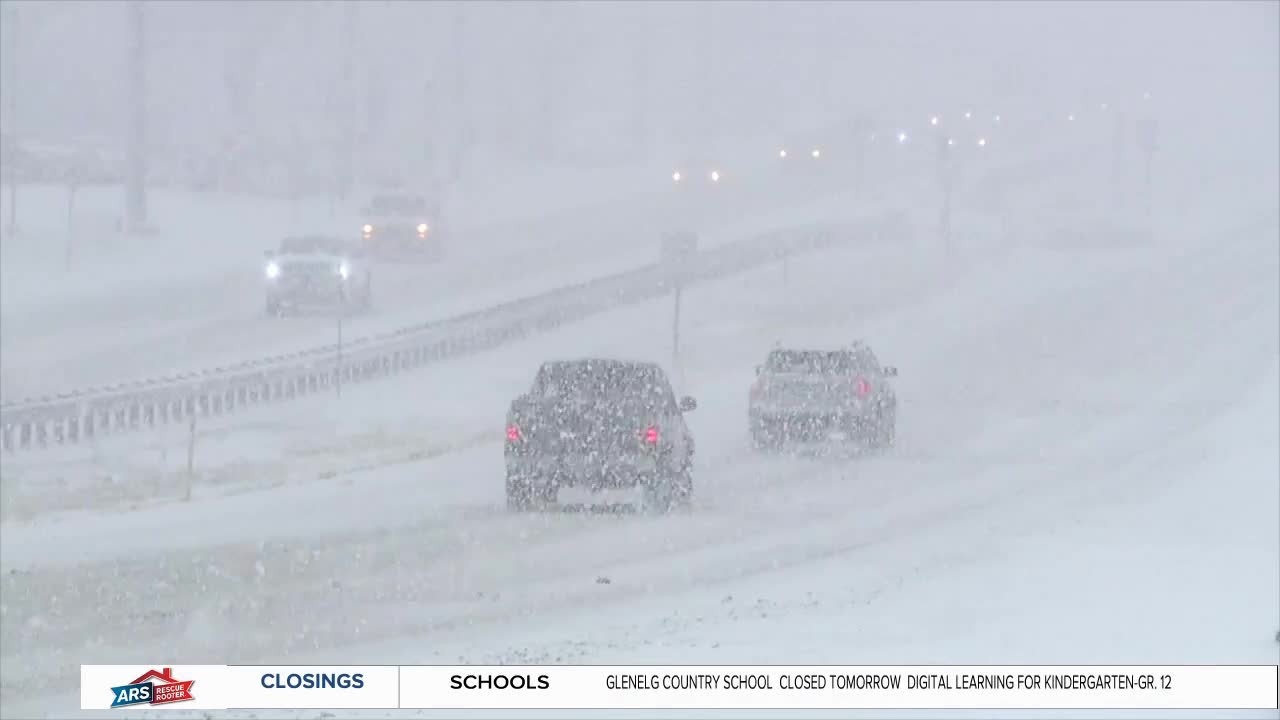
pixel 135 694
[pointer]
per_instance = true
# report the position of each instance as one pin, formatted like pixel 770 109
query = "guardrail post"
pixel 191 458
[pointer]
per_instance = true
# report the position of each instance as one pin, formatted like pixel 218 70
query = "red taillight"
pixel 863 386
pixel 513 433
pixel 651 435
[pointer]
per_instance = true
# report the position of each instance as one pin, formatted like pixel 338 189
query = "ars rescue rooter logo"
pixel 154 687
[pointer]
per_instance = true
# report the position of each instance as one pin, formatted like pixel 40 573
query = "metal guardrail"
pixel 80 416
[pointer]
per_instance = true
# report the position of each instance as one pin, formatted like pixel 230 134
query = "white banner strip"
pixel 1188 687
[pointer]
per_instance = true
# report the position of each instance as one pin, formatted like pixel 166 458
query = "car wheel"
pixel 525 493
pixel 670 493
pixel 886 428
pixel 764 438
pixel 519 494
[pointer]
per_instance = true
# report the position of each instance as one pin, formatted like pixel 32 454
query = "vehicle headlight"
pixel 367 229
pixel 422 228
pixel 344 270
pixel 273 271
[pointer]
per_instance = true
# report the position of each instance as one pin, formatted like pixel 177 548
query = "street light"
pixel 675 176
pixel 967 115
pixel 902 137
pixel 816 153
pixel 715 176
pixel 933 120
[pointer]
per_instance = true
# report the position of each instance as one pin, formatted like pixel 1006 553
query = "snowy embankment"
pixel 1048 397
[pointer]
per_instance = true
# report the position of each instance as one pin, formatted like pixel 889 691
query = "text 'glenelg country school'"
pixel 840 681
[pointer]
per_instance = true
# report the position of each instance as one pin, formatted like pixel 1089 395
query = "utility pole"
pixel 462 124
pixel 821 59
pixel 1147 140
pixel 15 37
pixel 861 136
pixel 946 178
pixel 675 328
pixel 640 115
pixel 136 189
pixel 1117 156
pixel 346 108
pixel 431 129
pixel 706 43
pixel 545 126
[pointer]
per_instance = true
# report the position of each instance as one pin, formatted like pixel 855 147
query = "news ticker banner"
pixel 686 687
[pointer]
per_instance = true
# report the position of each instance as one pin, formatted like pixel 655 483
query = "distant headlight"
pixel 367 229
pixel 273 271
pixel 344 271
pixel 422 228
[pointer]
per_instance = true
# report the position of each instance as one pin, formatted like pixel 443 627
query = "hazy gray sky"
pixel 259 72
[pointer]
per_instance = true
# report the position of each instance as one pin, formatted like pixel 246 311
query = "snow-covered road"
pixel 1043 393
pixel 214 316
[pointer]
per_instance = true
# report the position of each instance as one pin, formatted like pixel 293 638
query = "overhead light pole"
pixel 136 182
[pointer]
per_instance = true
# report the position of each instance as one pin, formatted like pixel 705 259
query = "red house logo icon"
pixel 154 687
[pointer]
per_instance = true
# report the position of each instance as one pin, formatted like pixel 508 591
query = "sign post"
pixel 191 453
pixel 337 368
pixel 1148 131
pixel 946 178
pixel 678 250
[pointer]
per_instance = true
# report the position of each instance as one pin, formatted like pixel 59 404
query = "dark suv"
pixel 599 424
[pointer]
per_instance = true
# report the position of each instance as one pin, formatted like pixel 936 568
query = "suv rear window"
pixel 821 362
pixel 610 382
